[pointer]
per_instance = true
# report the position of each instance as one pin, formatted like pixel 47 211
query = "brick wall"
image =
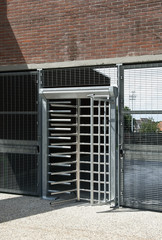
pixel 39 31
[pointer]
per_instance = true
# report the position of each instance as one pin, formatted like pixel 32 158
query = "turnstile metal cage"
pixel 77 131
pixel 78 149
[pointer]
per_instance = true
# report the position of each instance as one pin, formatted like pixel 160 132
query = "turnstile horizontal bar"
pixel 64 134
pixel 60 111
pixel 60 147
pixel 63 153
pixel 59 163
pixel 62 105
pixel 61 115
pixel 61 156
pixel 85 190
pixel 54 192
pixel 88 181
pixel 62 124
pixel 60 120
pixel 95 191
pixel 60 129
pixel 60 102
pixel 62 144
pixel 95 172
pixel 62 182
pixel 62 173
pixel 67 138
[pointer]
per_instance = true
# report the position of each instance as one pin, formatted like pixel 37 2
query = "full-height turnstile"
pixel 79 144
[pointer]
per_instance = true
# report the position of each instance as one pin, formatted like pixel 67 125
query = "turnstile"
pixel 79 144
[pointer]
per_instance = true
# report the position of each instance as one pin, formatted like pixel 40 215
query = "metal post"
pixel 120 130
pixel 39 74
pixel 92 154
pixel 78 151
pixel 105 151
pixel 112 159
pixel 44 148
pixel 99 157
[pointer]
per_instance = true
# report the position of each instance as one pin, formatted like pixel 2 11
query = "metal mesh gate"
pixel 18 133
pixel 142 137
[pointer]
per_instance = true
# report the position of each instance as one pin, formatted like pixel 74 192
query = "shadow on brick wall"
pixel 10 52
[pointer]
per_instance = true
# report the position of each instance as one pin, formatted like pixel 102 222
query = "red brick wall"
pixel 38 31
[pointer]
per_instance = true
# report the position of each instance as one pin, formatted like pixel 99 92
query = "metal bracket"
pixel 98 97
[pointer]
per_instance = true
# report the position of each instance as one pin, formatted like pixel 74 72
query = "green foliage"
pixel 127 120
pixel 149 126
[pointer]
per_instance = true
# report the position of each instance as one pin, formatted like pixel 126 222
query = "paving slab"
pixel 24 217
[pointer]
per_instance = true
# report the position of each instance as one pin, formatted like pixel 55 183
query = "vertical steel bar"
pixel 99 158
pixel 44 149
pixel 39 73
pixel 121 132
pixel 119 143
pixel 109 151
pixel 104 151
pixel 92 153
pixel 112 145
pixel 78 150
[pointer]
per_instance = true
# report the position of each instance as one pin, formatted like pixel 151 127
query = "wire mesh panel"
pixel 142 162
pixel 77 77
pixel 18 133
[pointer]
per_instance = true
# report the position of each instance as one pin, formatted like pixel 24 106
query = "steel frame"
pixel 95 93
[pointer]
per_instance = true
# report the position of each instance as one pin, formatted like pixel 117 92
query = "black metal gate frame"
pixel 32 147
pixel 121 113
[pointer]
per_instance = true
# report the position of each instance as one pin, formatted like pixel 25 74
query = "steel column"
pixel 105 151
pixel 92 154
pixel 99 157
pixel 44 148
pixel 112 132
pixel 78 151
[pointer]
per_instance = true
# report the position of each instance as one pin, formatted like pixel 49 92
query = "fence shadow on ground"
pixel 16 207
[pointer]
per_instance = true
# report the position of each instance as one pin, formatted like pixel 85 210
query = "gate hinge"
pixel 121 153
